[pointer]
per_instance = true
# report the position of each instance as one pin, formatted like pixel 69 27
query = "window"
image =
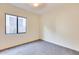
pixel 21 25
pixel 15 24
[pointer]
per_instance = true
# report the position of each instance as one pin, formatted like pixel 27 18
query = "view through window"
pixel 15 24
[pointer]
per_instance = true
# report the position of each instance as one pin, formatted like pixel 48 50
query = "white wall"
pixel 32 33
pixel 61 26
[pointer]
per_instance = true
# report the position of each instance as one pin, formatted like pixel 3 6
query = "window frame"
pixel 16 24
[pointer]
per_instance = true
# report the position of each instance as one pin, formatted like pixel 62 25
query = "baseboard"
pixel 61 45
pixel 19 45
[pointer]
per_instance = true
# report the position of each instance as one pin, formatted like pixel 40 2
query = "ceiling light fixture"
pixel 36 4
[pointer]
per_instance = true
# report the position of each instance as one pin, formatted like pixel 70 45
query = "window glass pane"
pixel 11 24
pixel 21 25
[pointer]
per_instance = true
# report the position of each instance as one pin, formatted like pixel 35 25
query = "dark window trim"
pixel 16 25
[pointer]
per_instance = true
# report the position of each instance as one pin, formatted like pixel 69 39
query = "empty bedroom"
pixel 39 29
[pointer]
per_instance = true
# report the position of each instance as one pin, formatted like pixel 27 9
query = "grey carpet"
pixel 39 48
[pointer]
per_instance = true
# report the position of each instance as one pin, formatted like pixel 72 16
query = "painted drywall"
pixel 32 33
pixel 61 26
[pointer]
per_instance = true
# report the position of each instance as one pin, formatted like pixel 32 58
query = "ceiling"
pixel 45 7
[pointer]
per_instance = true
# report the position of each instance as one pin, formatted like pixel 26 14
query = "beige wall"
pixel 61 26
pixel 32 29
